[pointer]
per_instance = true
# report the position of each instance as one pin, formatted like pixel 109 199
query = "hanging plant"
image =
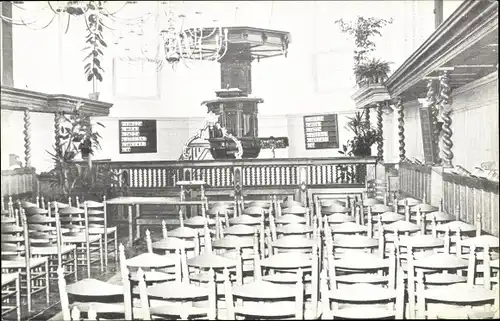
pixel 96 43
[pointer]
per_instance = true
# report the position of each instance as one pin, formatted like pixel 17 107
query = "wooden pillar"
pixel 6 45
pixel 380 125
pixel 447 143
pixel 434 109
pixel 27 138
pixel 401 129
pixel 57 131
pixel 438 13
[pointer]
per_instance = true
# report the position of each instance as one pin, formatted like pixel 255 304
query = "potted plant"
pixel 364 136
pixel 367 71
pixel 374 71
pixel 76 137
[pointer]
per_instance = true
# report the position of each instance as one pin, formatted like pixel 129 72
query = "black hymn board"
pixel 137 136
pixel 428 139
pixel 321 131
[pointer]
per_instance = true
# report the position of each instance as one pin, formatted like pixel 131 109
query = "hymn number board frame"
pixel 321 131
pixel 137 136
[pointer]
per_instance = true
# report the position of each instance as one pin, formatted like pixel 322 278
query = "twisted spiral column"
pixel 57 131
pixel 380 145
pixel 367 115
pixel 401 129
pixel 434 109
pixel 27 138
pixel 447 143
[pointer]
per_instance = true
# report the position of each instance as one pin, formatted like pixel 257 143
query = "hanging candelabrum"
pixel 163 38
pixel 189 44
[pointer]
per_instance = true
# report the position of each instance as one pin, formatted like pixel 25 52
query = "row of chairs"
pixel 37 238
pixel 296 253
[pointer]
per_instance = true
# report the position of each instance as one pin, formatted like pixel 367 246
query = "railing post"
pixel 303 183
pixel 237 181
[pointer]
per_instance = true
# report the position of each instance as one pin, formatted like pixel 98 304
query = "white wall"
pixel 316 77
pixel 474 125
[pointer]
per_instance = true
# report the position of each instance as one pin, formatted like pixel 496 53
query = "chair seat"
pixel 361 278
pixel 100 230
pixel 8 278
pixel 51 250
pixel 80 238
pixel 100 307
pixel 457 312
pixel 153 276
pixel 20 262
pixel 284 278
pixel 363 312
pixel 275 309
pixel 178 310
pixel 441 278
pixel 204 277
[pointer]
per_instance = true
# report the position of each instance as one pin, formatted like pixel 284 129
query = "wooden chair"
pixel 48 243
pixel 362 300
pixel 152 265
pixel 198 266
pixel 456 301
pixel 89 247
pixel 16 258
pixel 11 295
pixel 179 299
pixel 440 269
pixel 262 299
pixel 94 298
pixel 361 267
pixel 170 244
pixel 286 274
pixel 98 224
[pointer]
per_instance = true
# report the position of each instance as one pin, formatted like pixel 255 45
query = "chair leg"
pixel 116 246
pixel 106 249
pixel 28 287
pixel 101 254
pixel 18 297
pixel 47 281
pixel 88 259
pixel 75 264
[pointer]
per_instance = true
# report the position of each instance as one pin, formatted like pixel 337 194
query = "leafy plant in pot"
pixel 367 71
pixel 375 71
pixel 364 136
pixel 76 136
pixel 95 40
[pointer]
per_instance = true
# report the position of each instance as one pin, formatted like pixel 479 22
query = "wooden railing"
pixel 470 196
pixel 255 172
pixel 20 182
pixel 415 180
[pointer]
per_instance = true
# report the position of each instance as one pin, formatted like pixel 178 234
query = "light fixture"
pixel 167 39
pixel 38 15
